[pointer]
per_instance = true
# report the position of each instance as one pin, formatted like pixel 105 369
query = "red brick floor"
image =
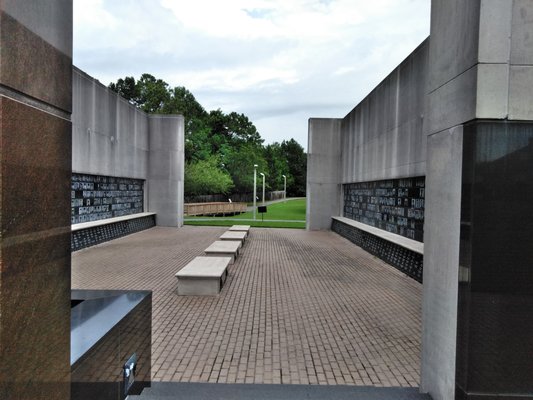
pixel 298 307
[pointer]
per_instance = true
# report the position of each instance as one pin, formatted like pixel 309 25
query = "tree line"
pixel 220 149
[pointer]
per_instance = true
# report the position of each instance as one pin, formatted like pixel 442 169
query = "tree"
pixel 240 164
pixel 277 166
pixel 215 138
pixel 297 164
pixel 206 177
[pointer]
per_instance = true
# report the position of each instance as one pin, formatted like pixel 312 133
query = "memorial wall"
pixel 124 161
pixel 96 197
pixel 394 205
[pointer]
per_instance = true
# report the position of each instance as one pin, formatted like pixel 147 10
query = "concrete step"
pixel 220 391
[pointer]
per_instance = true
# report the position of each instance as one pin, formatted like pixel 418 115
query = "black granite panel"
pixel 495 304
pixel 83 238
pixel 95 197
pixel 107 328
pixel 407 261
pixel 394 205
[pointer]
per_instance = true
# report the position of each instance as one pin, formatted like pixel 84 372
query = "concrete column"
pixel 35 157
pixel 477 267
pixel 166 169
pixel 323 172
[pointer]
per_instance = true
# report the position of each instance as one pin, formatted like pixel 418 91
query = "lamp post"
pixel 263 187
pixel 284 187
pixel 255 187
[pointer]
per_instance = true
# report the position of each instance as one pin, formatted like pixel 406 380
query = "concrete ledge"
pixel 224 248
pixel 203 276
pixel 240 228
pixel 101 222
pixel 234 235
pixel 404 242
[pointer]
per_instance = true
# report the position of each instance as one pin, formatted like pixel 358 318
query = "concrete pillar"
pixel 478 280
pixel 323 172
pixel 166 169
pixel 35 157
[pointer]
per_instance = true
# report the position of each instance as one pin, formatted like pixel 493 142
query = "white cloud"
pixel 278 61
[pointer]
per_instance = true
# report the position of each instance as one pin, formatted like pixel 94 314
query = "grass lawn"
pixel 289 214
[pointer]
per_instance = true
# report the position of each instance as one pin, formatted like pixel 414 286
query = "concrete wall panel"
pixel 521 36
pixel 323 172
pixel 383 137
pixel 454 39
pixel 521 93
pixel 441 260
pixel 166 168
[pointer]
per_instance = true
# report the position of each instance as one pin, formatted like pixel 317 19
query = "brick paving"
pixel 298 307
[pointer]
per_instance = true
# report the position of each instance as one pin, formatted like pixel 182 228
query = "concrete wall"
pixel 166 168
pixel 35 158
pixel 383 136
pixel 480 67
pixel 323 172
pixel 111 137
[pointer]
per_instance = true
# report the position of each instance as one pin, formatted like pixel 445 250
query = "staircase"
pixel 220 391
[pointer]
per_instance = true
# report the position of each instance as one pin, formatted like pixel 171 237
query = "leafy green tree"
pixel 277 166
pixel 206 177
pixel 213 139
pixel 240 164
pixel 297 165
pixel 127 88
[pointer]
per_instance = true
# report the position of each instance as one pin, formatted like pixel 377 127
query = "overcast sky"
pixel 280 62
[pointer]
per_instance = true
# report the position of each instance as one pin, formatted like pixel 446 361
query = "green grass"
pixel 289 214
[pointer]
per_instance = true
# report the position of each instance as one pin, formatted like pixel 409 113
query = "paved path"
pixel 298 307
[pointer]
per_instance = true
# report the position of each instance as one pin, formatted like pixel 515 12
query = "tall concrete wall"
pixel 323 172
pixel 383 136
pixel 166 168
pixel 35 158
pixel 111 137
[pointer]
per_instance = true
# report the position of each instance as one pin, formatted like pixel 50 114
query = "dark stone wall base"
pixel 407 261
pixel 104 233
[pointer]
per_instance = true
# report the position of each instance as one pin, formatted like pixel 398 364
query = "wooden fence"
pixel 217 208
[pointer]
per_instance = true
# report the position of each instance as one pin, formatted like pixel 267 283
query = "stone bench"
pixel 240 228
pixel 234 235
pixel 224 248
pixel 203 276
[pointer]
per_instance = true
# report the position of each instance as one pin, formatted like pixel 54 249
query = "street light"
pixel 255 187
pixel 284 187
pixel 263 187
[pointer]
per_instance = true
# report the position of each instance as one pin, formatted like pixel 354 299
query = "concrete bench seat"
pixel 203 276
pixel 224 248
pixel 234 235
pixel 240 228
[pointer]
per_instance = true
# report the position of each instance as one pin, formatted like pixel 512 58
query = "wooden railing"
pixel 214 208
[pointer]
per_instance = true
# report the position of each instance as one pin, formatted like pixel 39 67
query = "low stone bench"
pixel 224 248
pixel 240 228
pixel 236 236
pixel 203 276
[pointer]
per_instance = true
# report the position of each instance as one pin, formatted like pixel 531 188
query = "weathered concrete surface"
pixel 323 172
pixel 441 262
pixel 166 168
pixel 383 136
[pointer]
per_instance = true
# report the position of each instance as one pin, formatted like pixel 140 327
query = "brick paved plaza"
pixel 298 307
